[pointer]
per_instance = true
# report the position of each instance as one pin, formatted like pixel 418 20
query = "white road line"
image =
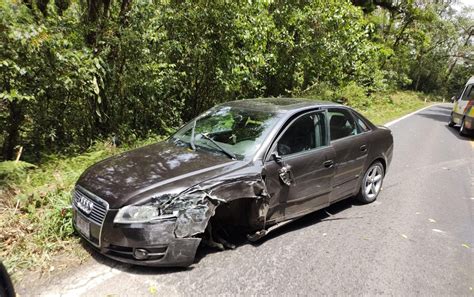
pixel 408 115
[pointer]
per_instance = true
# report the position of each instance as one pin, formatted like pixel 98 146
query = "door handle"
pixel 328 163
pixel 363 148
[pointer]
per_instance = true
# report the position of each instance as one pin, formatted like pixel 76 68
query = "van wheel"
pixel 462 130
pixel 451 123
pixel 371 183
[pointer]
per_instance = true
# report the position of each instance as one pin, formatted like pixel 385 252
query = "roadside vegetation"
pixel 35 204
pixel 394 105
pixel 83 80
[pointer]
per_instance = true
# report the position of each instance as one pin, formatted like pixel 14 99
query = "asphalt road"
pixel 416 239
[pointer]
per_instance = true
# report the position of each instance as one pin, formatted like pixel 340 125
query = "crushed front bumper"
pixel 150 244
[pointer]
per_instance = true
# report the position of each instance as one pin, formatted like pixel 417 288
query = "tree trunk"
pixel 125 7
pixel 15 118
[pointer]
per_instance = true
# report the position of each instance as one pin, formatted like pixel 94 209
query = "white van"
pixel 463 109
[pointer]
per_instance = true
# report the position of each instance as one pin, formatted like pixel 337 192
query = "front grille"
pixel 99 209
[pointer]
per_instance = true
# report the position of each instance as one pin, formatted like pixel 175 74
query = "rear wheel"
pixel 371 183
pixel 451 122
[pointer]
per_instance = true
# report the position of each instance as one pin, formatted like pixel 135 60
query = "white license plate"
pixel 83 226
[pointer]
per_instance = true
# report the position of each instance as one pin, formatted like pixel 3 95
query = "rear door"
pixel 299 169
pixel 350 144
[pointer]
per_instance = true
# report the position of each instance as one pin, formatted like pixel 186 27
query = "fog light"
pixel 140 254
pixel 467 124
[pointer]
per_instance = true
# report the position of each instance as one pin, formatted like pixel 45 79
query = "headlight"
pixel 137 214
pixel 158 209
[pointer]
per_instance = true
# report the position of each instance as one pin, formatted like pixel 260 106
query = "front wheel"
pixel 371 183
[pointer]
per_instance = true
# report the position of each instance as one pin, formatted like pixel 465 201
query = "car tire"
pixel 6 286
pixel 462 130
pixel 371 183
pixel 451 123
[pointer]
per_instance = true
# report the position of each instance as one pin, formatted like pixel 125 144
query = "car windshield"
pixel 234 131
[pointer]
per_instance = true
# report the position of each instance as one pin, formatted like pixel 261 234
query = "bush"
pixel 354 95
pixel 13 170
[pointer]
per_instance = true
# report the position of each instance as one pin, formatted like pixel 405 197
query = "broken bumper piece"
pixel 178 253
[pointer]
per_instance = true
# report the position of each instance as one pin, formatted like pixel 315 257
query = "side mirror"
pixel 453 99
pixel 276 157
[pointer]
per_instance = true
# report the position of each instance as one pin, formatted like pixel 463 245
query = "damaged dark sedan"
pixel 247 165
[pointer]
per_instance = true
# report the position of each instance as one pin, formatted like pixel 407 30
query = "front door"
pixel 300 170
pixel 351 147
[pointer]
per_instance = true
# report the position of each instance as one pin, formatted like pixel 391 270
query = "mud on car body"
pixel 249 164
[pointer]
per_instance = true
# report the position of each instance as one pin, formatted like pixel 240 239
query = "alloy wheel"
pixel 373 181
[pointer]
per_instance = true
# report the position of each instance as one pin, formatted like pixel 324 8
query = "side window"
pixel 341 123
pixel 468 93
pixel 361 125
pixel 306 133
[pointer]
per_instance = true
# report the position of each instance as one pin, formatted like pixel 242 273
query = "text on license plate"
pixel 83 226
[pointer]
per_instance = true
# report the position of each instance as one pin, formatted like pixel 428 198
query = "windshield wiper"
pixel 193 147
pixel 230 154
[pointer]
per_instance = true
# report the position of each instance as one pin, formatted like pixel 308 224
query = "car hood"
pixel 163 167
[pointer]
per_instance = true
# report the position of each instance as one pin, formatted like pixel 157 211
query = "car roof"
pixel 279 105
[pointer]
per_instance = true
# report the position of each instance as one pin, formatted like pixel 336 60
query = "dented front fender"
pixel 173 241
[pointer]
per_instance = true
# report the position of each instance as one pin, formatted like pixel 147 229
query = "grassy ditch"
pixel 35 217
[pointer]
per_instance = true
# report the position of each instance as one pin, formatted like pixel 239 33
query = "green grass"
pixel 35 216
pixel 388 107
pixel 380 108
